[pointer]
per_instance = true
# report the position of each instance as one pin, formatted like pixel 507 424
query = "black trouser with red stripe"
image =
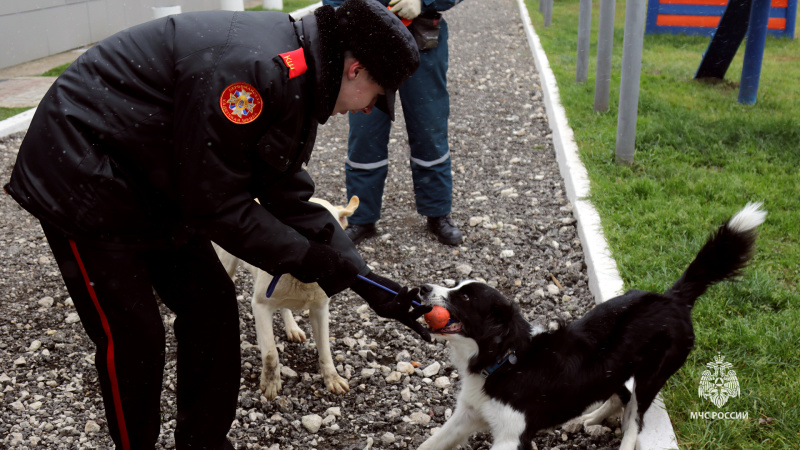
pixel 113 293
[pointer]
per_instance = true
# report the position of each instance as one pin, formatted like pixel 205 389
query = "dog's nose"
pixel 425 290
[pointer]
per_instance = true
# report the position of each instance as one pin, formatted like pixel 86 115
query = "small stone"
pixel 464 269
pixel 405 394
pixel 334 411
pixel 441 382
pixel 552 289
pixel 394 377
pixel 507 253
pixel 16 439
pixel 288 372
pixel 20 361
pixel 388 438
pixel 91 427
pixel 475 221
pixel 419 418
pixel 46 302
pixel 432 370
pixel 72 318
pixel 405 367
pixel 312 422
pixel 403 356
pixel 329 420
pixel 35 406
pixel 367 373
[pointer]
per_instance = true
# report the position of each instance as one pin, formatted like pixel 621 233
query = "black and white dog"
pixel 518 378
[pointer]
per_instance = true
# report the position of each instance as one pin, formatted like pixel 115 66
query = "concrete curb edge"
pixel 17 123
pixel 604 279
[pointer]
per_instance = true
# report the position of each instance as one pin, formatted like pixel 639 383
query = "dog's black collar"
pixel 509 356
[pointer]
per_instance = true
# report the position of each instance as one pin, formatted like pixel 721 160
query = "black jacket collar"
pixel 325 58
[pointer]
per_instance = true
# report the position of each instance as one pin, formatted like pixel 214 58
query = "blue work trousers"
pixel 426 109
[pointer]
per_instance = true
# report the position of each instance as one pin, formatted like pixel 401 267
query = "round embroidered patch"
pixel 241 103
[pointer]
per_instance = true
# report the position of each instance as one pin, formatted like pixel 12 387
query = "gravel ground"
pixel 520 237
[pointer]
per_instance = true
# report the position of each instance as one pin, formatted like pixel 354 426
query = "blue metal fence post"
pixel 754 51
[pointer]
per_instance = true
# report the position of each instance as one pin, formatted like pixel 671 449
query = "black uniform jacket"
pixel 149 138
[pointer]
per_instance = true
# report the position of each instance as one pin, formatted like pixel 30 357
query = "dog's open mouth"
pixel 452 327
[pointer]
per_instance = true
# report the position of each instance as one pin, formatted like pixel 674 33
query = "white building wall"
pixel 32 29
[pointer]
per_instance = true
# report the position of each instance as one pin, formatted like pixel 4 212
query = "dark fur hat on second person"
pixel 378 39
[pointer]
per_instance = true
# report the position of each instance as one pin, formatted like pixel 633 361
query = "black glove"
pixel 390 306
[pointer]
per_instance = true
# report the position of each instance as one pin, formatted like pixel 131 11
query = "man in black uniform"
pixel 155 142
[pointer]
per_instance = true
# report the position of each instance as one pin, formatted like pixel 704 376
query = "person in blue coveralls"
pixel 426 109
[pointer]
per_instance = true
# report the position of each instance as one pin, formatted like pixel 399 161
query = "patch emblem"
pixel 241 103
pixel 295 61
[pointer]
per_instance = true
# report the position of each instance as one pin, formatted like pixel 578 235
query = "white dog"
pixel 291 295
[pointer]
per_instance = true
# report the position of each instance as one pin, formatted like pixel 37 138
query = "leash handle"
pixel 275 279
pixel 415 303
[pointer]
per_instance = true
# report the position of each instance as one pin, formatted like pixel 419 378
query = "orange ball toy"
pixel 437 318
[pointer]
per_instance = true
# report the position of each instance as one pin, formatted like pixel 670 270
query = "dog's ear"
pixel 347 211
pixel 502 314
pixel 501 332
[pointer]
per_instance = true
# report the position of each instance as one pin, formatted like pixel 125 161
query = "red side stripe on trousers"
pixel 112 372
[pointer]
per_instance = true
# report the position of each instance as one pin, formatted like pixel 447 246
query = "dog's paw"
pixel 336 384
pixel 270 383
pixel 574 425
pixel 295 334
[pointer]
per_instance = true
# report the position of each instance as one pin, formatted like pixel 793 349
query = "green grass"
pixel 288 5
pixel 700 156
pixel 56 71
pixel 5 113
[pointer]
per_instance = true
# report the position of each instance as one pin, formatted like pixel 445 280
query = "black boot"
pixel 359 232
pixel 445 230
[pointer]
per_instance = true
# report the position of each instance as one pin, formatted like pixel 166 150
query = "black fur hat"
pixel 380 41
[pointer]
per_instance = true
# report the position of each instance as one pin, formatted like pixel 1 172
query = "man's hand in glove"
pixel 391 306
pixel 407 9
pixel 398 309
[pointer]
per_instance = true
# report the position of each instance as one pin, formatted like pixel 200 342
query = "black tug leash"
pixel 275 279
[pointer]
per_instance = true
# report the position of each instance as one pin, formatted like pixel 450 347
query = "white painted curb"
pixel 604 280
pixel 303 11
pixel 17 123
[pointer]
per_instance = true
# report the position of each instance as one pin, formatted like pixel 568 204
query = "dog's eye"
pixel 465 297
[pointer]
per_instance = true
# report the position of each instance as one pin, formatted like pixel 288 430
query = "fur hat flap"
pixel 379 40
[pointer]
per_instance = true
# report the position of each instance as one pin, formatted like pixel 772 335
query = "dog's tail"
pixel 723 256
